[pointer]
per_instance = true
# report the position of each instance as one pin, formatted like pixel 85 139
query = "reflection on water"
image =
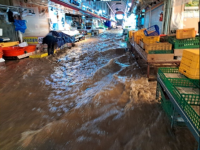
pixel 89 97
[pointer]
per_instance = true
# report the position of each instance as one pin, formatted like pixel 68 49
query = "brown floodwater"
pixel 91 97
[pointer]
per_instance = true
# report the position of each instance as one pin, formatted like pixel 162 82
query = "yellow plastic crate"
pixel 131 33
pixel 191 54
pixel 8 44
pixel 158 46
pixel 139 33
pixel 151 39
pixel 189 72
pixel 138 38
pixel 39 55
pixel 185 33
pixel 89 33
pixel 190 63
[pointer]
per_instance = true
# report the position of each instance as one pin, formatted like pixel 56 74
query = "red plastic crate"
pixel 30 48
pixel 12 51
pixel 1 52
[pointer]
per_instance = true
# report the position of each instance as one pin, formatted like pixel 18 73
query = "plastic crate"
pixel 9 44
pixel 12 51
pixel 185 33
pixel 139 33
pixel 138 38
pixel 165 103
pixel 30 48
pixel 1 53
pixel 184 43
pixel 166 70
pixel 151 39
pixel 131 34
pixel 186 101
pixel 192 55
pixel 190 63
pixel 158 46
pixel 152 31
pixel 189 72
pixel 166 47
pixel 160 52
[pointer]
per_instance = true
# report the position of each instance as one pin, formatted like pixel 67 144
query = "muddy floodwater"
pixel 91 97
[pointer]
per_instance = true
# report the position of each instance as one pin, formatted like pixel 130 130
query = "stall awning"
pixel 77 9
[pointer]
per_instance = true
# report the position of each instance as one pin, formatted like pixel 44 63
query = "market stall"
pixel 146 43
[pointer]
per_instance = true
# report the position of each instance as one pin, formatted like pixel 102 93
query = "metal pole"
pixel 110 8
pixel 164 12
pixel 150 17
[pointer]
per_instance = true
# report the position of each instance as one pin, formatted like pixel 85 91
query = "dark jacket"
pixel 49 40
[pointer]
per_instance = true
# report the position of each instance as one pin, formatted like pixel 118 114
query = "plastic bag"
pixel 20 25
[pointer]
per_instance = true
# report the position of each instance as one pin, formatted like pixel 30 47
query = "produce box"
pixel 185 33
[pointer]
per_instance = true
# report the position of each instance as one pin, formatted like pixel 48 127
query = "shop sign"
pixel 33 40
pixel 40 40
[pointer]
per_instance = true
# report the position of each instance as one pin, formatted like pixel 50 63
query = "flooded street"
pixel 91 97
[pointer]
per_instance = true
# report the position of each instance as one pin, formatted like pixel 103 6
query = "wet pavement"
pixel 91 97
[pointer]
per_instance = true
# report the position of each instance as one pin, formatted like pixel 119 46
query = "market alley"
pixel 91 97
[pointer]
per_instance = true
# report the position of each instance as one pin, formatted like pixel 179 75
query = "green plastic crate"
pixel 163 70
pixel 166 103
pixel 184 100
pixel 160 51
pixel 184 43
pixel 186 105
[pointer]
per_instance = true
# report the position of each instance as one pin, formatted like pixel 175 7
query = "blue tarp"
pixel 20 25
pixel 62 38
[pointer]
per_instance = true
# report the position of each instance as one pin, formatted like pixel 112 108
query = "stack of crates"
pixel 185 38
pixel 138 35
pixel 190 64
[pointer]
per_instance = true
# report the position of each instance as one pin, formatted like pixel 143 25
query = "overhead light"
pixel 129 4
pixel 119 16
